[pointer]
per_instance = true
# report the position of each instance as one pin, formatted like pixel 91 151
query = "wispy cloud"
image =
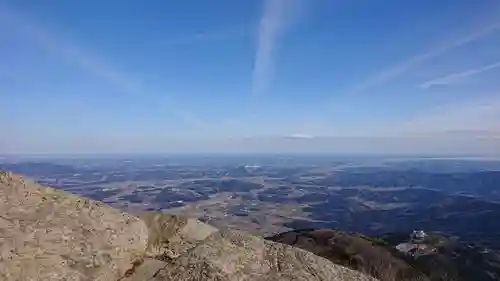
pixel 398 69
pixel 299 136
pixel 84 60
pixel 454 77
pixel 65 50
pixel 274 21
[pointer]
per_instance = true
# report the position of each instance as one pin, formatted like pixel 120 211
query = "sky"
pixel 340 76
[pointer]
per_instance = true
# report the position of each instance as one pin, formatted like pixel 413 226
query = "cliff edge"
pixel 49 234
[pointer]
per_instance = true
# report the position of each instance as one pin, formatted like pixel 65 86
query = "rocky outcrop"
pixel 232 255
pixel 170 236
pixel 49 234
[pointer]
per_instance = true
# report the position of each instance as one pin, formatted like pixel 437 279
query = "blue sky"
pixel 274 75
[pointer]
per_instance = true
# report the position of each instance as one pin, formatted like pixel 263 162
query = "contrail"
pixel 272 24
pixel 450 78
pixel 412 62
pixel 86 61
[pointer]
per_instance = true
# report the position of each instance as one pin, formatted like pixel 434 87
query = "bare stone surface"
pixel 232 255
pixel 49 234
pixel 170 236
pixel 147 270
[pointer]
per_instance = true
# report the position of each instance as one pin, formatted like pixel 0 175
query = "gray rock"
pixel 146 270
pixel 170 236
pixel 232 255
pixel 49 234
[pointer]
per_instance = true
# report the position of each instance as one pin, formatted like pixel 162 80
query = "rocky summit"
pixel 49 234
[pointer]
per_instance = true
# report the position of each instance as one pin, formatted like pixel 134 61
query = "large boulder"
pixel 170 235
pixel 229 255
pixel 49 234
